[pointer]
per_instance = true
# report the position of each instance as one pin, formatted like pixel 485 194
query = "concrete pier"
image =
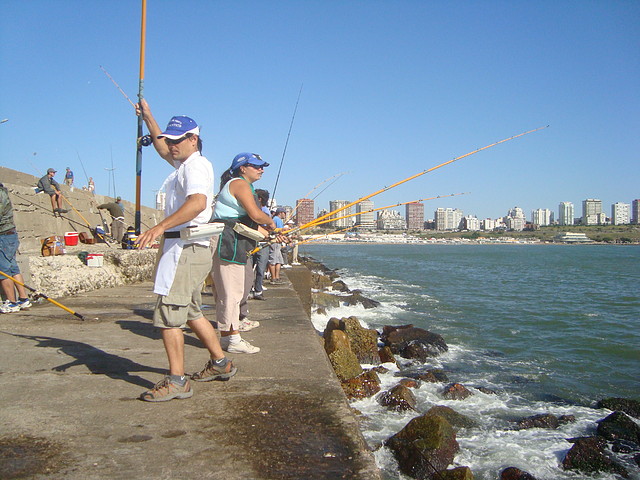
pixel 69 406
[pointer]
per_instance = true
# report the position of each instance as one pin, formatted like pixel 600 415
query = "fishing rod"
pixel 284 152
pixel 337 176
pixel 366 197
pixel 46 209
pixel 380 208
pixel 310 225
pixel 42 295
pixel 143 31
pixel 117 86
pixel 85 220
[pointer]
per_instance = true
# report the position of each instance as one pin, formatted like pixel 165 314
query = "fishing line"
pixel 284 152
pixel 117 86
pixel 288 217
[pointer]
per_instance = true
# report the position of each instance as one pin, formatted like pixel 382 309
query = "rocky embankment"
pixel 426 447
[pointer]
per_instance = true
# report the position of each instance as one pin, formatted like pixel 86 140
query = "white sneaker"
pixel 241 347
pixel 9 307
pixel 246 325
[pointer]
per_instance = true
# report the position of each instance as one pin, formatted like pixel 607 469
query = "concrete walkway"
pixel 69 407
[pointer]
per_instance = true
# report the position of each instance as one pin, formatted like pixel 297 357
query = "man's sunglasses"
pixel 170 141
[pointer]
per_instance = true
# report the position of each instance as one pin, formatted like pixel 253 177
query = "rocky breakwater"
pixel 426 447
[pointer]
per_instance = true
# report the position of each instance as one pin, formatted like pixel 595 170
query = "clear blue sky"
pixel 390 89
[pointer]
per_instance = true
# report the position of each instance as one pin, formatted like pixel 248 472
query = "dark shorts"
pixel 8 247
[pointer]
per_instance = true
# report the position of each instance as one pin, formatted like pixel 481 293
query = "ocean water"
pixel 550 328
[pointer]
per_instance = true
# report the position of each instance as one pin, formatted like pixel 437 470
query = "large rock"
pixel 513 473
pixel 619 426
pixel 432 375
pixel 456 391
pixel 335 340
pixel 345 363
pixel 587 455
pixel 362 386
pixel 324 300
pixel 356 298
pixel 340 286
pixel 320 281
pixel 458 473
pixel 364 341
pixel 544 420
pixel 426 445
pixel 630 407
pixel 398 398
pixel 457 420
pixel 412 342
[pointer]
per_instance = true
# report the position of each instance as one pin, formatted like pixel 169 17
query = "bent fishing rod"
pixel 286 143
pixel 329 220
pixel 313 239
pixel 382 190
pixel 42 295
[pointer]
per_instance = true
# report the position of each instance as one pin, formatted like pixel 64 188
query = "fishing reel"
pixel 145 141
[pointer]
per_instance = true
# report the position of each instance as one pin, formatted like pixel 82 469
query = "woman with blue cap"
pixel 236 203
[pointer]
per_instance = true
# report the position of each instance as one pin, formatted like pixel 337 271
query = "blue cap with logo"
pixel 247 159
pixel 179 126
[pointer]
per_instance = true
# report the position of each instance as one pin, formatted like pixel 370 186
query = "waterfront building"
pixel 448 218
pixel 591 211
pixel 343 222
pixel 571 237
pixel 488 224
pixel 414 213
pixel 566 213
pixel 471 223
pixel 390 220
pixel 515 219
pixel 305 210
pixel 620 213
pixel 635 211
pixel 366 220
pixel 542 217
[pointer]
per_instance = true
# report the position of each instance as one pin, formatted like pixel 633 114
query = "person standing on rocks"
pixel 8 248
pixel 182 267
pixel 116 210
pixel 51 188
pixel 68 178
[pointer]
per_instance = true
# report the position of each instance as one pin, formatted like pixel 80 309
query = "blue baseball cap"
pixel 248 159
pixel 179 126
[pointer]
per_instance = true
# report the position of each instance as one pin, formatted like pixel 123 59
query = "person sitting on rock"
pixel 49 186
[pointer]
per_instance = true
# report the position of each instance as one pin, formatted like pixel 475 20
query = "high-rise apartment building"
pixel 305 211
pixel 565 213
pixel 343 222
pixel 515 219
pixel 471 223
pixel 448 218
pixel 542 217
pixel 635 211
pixel 591 211
pixel 414 213
pixel 620 213
pixel 367 219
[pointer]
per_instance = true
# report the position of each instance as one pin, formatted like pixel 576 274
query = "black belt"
pixel 171 234
pixel 9 232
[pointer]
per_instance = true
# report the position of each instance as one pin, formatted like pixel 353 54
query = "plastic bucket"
pixel 71 239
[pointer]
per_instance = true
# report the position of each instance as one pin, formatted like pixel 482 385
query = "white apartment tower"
pixel 591 211
pixel 365 220
pixel 448 218
pixel 565 213
pixel 343 222
pixel 620 213
pixel 542 217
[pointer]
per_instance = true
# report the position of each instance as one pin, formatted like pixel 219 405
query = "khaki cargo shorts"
pixel 184 300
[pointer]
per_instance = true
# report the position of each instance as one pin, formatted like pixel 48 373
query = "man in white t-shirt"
pixel 182 267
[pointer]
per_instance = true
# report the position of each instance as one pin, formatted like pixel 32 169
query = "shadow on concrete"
pixel 149 331
pixel 97 361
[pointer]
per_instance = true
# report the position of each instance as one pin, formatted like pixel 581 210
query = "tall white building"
pixel 471 223
pixel 565 213
pixel 620 213
pixel 515 219
pixel 448 218
pixel 591 211
pixel 488 224
pixel 368 219
pixel 160 200
pixel 542 217
pixel 343 222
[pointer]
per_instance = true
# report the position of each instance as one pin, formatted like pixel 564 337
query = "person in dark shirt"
pixel 116 210
pixel 52 188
